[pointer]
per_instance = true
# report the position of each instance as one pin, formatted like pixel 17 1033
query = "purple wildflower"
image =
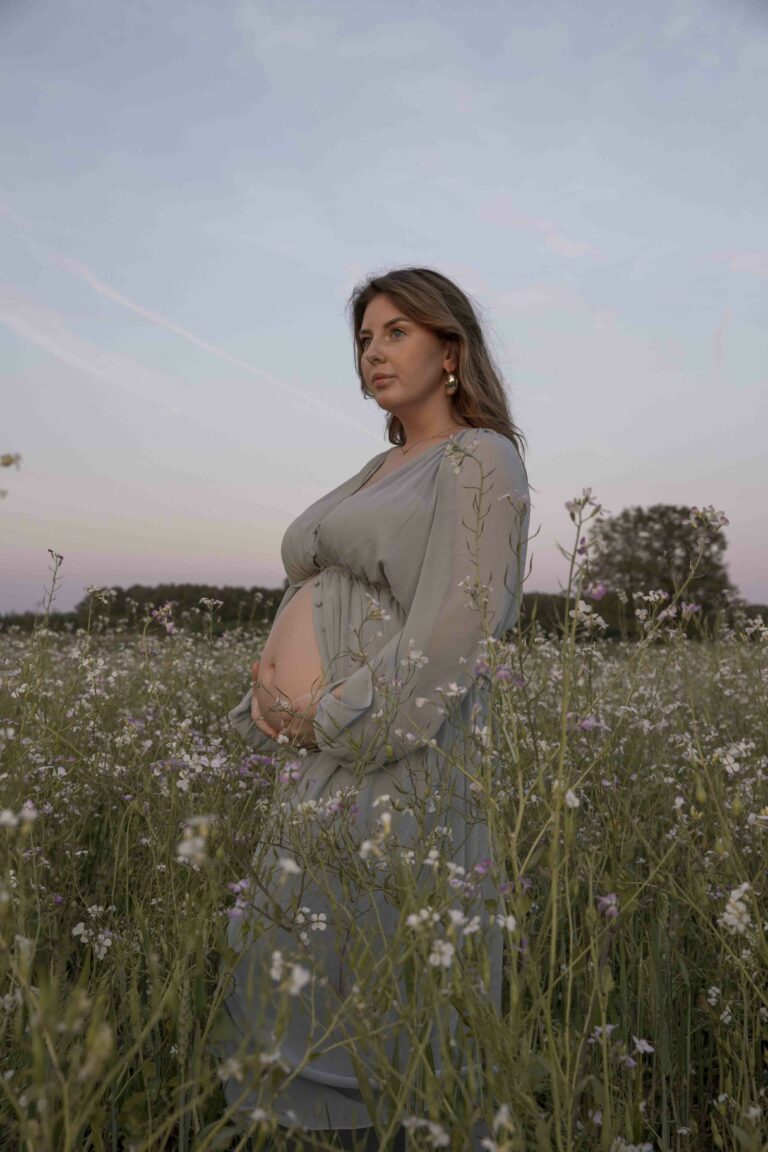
pixel 291 773
pixel 608 905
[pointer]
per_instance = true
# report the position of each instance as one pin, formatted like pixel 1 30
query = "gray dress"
pixel 399 625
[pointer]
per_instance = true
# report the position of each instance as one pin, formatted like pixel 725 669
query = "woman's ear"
pixel 451 357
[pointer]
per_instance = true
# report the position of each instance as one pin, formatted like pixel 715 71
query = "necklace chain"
pixel 405 451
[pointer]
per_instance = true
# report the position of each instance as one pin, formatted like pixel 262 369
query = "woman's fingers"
pixel 266 728
pixel 294 726
pixel 259 720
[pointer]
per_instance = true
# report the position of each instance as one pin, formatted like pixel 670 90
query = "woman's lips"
pixel 382 380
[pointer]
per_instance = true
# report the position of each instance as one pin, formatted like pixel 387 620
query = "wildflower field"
pixel 626 787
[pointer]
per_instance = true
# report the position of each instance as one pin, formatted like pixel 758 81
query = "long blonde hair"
pixel 434 301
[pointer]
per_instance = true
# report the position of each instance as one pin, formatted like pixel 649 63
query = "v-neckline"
pixel 394 472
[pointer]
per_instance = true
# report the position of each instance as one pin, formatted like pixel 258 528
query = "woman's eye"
pixel 365 340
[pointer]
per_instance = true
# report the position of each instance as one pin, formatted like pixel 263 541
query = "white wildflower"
pixel 502 1119
pixel 28 812
pixel 423 916
pixel 101 943
pixel 438 1136
pixel 414 656
pixel 231 1067
pixel 276 968
pixel 191 849
pixel 736 917
pixel 442 954
pixel 300 977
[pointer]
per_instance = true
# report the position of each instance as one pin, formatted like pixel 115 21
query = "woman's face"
pixel 411 359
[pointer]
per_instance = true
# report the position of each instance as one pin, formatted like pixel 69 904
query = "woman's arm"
pixel 470 582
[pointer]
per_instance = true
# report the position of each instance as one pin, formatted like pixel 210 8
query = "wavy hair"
pixel 431 299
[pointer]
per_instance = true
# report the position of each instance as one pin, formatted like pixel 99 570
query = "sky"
pixel 190 192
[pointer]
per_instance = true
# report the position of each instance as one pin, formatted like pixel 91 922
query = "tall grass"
pixel 626 789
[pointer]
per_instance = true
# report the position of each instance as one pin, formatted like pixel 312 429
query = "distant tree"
pixel 236 604
pixel 645 548
pixel 8 460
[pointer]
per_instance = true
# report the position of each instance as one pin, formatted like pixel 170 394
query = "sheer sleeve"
pixel 470 585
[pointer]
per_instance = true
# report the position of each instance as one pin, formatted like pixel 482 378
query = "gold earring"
pixel 451 384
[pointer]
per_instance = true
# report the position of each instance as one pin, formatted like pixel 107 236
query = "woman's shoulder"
pixel 495 453
pixel 489 442
pixel 486 434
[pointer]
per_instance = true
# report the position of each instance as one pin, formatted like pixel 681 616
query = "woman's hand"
pixel 256 716
pixel 297 726
pixel 296 716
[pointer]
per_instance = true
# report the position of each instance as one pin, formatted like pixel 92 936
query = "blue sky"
pixel 191 191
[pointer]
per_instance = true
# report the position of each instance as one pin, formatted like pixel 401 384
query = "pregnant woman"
pixel 369 680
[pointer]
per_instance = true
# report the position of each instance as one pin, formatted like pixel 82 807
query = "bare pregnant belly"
pixel 290 664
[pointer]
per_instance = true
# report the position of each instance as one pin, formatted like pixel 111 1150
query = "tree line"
pixel 637 552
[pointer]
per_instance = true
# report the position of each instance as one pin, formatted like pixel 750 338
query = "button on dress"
pixel 392 567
